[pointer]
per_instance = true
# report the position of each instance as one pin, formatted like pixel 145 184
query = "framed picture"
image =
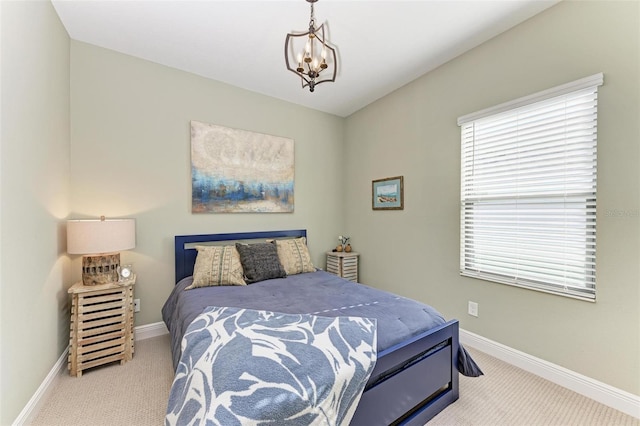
pixel 238 171
pixel 388 193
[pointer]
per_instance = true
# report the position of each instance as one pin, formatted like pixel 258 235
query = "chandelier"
pixel 316 61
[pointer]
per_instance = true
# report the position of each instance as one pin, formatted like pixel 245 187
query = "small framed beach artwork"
pixel 387 193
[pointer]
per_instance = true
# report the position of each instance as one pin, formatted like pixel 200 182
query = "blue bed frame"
pixel 415 379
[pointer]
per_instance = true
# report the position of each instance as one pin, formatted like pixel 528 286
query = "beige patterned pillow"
pixel 294 256
pixel 217 265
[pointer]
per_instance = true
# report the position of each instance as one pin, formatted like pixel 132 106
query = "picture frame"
pixel 388 193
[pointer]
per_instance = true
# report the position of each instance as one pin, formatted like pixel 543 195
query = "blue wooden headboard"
pixel 185 253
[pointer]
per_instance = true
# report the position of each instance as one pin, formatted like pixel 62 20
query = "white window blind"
pixel 528 191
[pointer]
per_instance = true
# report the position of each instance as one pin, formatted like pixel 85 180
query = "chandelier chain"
pixel 312 21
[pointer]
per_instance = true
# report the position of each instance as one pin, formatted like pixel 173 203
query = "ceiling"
pixel 382 45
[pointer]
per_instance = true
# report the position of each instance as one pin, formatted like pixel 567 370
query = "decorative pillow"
pixel 217 265
pixel 294 256
pixel 260 262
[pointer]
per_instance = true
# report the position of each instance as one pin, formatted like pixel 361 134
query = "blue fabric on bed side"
pixel 466 364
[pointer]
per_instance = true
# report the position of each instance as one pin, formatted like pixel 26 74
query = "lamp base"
pixel 100 269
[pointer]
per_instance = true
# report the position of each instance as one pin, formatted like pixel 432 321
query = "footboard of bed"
pixel 413 381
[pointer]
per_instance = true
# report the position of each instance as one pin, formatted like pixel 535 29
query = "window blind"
pixel 528 191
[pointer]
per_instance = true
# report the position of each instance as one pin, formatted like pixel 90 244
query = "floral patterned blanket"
pixel 250 367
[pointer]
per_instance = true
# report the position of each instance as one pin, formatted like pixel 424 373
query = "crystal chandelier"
pixel 316 60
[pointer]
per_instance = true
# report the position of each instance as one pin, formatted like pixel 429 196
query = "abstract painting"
pixel 237 171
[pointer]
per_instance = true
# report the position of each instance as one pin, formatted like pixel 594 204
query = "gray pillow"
pixel 260 262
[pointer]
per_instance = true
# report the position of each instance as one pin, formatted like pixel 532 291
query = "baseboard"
pixel 29 412
pixel 605 394
pixel 150 330
pixel 33 406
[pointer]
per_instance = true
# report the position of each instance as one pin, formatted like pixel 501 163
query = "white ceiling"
pixel 382 45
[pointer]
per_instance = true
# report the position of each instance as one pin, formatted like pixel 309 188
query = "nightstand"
pixel 101 325
pixel 343 264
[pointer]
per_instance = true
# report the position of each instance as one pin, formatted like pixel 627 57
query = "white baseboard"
pixel 150 330
pixel 29 412
pixel 35 403
pixel 605 394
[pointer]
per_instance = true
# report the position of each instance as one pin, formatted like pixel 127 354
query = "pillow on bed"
pixel 217 265
pixel 294 256
pixel 260 262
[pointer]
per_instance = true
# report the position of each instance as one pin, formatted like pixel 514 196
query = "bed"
pixel 418 353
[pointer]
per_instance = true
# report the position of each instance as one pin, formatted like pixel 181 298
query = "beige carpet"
pixel 132 394
pixel 509 396
pixel 136 394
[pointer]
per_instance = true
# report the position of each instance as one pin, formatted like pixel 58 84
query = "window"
pixel 528 191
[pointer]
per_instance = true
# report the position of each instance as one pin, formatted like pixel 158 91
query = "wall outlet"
pixel 473 309
pixel 136 305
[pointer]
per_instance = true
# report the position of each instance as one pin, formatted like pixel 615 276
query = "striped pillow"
pixel 294 256
pixel 217 265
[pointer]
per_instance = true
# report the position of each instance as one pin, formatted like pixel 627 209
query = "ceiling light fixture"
pixel 314 57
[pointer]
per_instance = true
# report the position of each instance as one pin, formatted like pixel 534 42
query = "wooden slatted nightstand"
pixel 343 264
pixel 101 325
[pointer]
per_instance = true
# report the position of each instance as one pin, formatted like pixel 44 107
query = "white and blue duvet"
pixel 252 367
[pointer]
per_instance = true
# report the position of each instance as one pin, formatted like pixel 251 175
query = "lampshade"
pixel 96 236
pixel 99 241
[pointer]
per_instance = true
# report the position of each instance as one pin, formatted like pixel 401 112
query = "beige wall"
pixel 413 132
pixel 130 157
pixel 34 182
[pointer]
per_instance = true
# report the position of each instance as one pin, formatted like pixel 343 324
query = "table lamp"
pixel 100 241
